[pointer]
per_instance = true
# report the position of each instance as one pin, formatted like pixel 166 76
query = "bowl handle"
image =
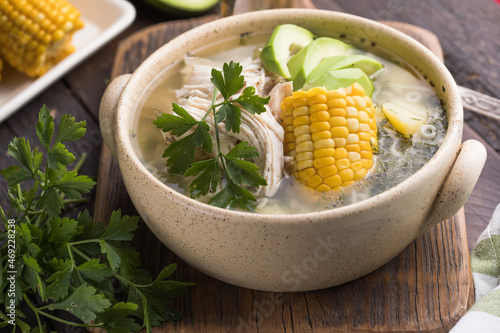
pixel 107 110
pixel 458 185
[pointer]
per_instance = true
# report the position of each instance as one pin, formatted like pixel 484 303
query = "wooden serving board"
pixel 426 288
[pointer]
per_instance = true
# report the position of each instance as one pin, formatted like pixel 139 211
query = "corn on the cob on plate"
pixel 330 135
pixel 36 34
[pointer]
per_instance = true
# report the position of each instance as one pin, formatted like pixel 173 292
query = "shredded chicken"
pixel 262 131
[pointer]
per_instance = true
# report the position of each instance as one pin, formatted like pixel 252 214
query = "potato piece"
pixel 403 120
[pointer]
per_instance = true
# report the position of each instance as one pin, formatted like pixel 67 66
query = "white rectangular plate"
pixel 104 20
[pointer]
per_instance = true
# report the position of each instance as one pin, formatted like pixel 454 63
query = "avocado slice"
pixel 301 64
pixel 367 64
pixel 286 40
pixel 182 7
pixel 342 78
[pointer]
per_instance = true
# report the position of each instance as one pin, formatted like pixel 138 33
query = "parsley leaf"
pixel 20 149
pixel 84 303
pixel 120 228
pixel 252 102
pixel 45 127
pixel 69 130
pixel 233 196
pixel 73 265
pixel 181 153
pixel 59 155
pixel 207 181
pixel 235 166
pixel 231 82
pixel 15 174
pixel 177 125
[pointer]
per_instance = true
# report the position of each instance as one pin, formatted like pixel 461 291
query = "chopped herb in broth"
pixel 398 151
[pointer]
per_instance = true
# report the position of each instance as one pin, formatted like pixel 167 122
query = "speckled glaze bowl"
pixel 302 251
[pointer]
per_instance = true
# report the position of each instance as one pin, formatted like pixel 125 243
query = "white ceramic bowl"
pixel 302 251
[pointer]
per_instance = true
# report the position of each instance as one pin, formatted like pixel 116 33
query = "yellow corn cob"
pixel 330 135
pixel 36 34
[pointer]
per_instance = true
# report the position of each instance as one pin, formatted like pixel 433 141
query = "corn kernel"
pixel 333 181
pixel 300 111
pixel 299 94
pixel 340 142
pixel 352 125
pixel 324 143
pixel 363 117
pixel 357 89
pixel 304 129
pixel 359 102
pixel 289 137
pixel 304 146
pixel 353 156
pixel 302 138
pixel 307 173
pixel 336 103
pixel 314 181
pixel 316 91
pixel 364 128
pixel 342 163
pixel 288 101
pixel 323 162
pixel 367 164
pixel 366 154
pixel 353 147
pixel 324 152
pixel 327 171
pixel 346 175
pixel 288 121
pixel 322 116
pixel 340 153
pixel 365 145
pixel 303 156
pixel 334 94
pixel 364 136
pixel 355 166
pixel 323 188
pixel 317 99
pixel 338 121
pixel 318 107
pixel 340 132
pixel 351 112
pixel 322 126
pixel 340 112
pixel 352 138
pixel 304 164
pixel 302 120
pixel 300 102
pixel 360 174
pixel 321 135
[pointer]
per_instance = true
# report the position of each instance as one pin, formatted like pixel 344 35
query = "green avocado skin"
pixel 182 8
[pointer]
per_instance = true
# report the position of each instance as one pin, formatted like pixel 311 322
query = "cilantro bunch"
pixel 73 265
pixel 225 174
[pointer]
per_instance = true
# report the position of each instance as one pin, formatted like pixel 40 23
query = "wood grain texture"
pixel 427 288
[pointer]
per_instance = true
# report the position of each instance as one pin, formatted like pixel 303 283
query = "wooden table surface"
pixel 468 32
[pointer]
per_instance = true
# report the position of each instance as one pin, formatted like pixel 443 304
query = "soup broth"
pixel 396 157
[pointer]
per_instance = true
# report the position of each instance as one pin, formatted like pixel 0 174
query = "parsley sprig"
pixel 232 170
pixel 72 265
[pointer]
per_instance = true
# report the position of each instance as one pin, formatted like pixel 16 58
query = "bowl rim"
pixel 453 133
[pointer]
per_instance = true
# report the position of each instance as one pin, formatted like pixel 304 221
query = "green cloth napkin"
pixel 484 315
